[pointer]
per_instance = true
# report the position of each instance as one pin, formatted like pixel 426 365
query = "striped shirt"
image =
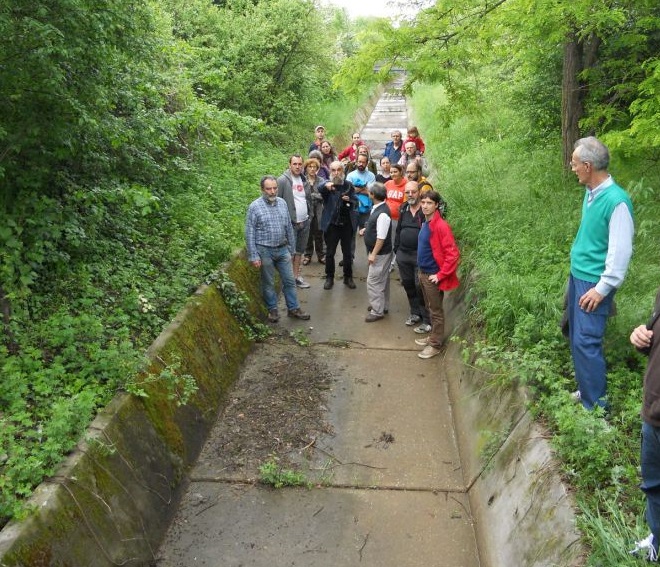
pixel 268 224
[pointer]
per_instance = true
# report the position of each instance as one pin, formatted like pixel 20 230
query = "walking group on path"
pixel 324 201
pixel 327 200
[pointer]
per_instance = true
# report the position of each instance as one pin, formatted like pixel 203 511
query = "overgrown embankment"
pixel 133 139
pixel 515 212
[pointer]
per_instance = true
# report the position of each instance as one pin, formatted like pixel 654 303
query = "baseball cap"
pixel 319 128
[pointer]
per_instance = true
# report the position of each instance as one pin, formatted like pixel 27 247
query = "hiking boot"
pixel 329 282
pixel 422 329
pixel 429 352
pixel 298 314
pixel 273 316
pixel 349 283
pixel 301 283
pixel 413 320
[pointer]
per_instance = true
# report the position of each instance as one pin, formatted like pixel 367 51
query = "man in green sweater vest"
pixel 599 260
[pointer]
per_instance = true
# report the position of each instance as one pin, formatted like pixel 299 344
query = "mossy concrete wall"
pixel 524 513
pixel 112 500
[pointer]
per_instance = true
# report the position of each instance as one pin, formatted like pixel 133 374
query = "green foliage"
pixel 179 387
pixel 133 138
pixel 515 214
pixel 301 337
pixel 273 474
pixel 238 304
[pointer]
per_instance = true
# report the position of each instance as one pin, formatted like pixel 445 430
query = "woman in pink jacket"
pixel 437 261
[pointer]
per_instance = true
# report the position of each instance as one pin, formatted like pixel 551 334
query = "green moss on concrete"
pixel 113 499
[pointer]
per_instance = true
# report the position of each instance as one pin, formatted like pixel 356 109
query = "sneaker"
pixel 422 342
pixel 370 308
pixel 577 396
pixel 645 547
pixel 301 283
pixel 298 314
pixel 429 352
pixel 422 329
pixel 273 316
pixel 373 317
pixel 413 320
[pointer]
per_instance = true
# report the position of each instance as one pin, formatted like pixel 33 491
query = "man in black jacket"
pixel 643 339
pixel 338 223
pixel 410 222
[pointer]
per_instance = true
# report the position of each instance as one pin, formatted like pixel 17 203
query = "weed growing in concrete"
pixel 179 387
pixel 272 473
pixel 300 337
pixel 238 302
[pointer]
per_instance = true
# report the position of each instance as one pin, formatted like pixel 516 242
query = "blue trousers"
pixel 277 259
pixel 650 459
pixel 585 334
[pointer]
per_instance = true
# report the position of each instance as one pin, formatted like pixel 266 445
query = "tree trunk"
pixel 571 98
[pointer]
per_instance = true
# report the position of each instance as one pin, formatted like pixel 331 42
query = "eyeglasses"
pixel 411 192
pixel 575 164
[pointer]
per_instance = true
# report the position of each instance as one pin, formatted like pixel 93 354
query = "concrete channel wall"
pixel 524 513
pixel 112 500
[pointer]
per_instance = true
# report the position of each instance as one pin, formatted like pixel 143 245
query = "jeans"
pixel 585 334
pixel 650 460
pixel 407 264
pixel 277 259
pixel 334 235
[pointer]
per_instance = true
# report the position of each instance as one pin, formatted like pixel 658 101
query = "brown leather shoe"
pixel 298 314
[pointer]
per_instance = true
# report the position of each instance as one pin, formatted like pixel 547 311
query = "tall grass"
pixel 515 212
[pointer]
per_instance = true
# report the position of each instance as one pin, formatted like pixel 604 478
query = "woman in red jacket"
pixel 349 153
pixel 437 261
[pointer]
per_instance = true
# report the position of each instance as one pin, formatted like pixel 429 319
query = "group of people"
pixel 325 201
pixel 322 202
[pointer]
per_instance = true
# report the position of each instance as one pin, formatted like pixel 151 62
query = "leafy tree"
pixel 600 54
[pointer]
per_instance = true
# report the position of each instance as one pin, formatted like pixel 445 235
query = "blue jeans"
pixel 277 259
pixel 585 334
pixel 650 460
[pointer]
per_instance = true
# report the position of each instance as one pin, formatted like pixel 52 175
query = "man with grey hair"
pixel 378 240
pixel 410 155
pixel 338 223
pixel 270 242
pixel 600 255
pixel 394 148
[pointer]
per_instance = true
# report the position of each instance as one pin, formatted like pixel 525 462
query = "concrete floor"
pixel 395 506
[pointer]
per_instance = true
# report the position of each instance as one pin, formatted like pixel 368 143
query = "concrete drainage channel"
pixel 432 462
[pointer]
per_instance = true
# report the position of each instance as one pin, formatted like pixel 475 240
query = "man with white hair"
pixel 600 255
